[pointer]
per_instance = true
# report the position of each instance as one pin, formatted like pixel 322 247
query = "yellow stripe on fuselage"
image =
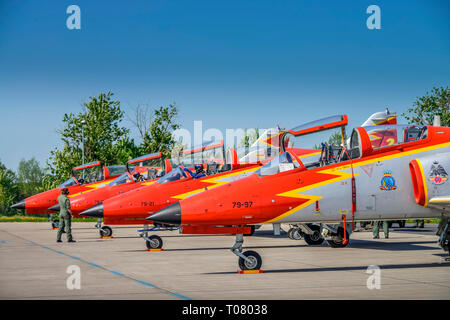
pixel 215 182
pixel 346 175
pixel 424 181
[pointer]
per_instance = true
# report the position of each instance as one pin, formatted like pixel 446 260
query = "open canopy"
pixel 151 161
pixel 93 172
pixel 210 152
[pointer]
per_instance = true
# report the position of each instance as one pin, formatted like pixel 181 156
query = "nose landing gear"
pixel 248 260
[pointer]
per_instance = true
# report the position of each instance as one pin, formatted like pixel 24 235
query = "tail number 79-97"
pixel 246 204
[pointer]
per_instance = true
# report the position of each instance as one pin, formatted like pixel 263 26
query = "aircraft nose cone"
pixel 169 215
pixel 94 211
pixel 56 207
pixel 19 205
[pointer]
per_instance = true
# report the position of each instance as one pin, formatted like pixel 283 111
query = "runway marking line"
pixel 180 296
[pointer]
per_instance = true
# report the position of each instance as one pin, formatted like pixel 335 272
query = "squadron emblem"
pixel 438 175
pixel 388 181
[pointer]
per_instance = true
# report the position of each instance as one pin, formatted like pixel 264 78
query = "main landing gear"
pixel 309 232
pixel 104 231
pixel 314 234
pixel 248 260
pixel 334 234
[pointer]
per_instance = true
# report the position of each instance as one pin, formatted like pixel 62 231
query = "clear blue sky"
pixel 232 64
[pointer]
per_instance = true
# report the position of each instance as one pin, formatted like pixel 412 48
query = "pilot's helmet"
pixel 65 191
pixel 136 175
pixel 198 168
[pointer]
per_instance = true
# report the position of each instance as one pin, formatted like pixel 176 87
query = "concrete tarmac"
pixel 34 266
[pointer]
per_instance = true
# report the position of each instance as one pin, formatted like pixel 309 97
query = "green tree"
pixel 100 129
pixel 9 190
pixel 250 136
pixel 29 176
pixel 156 130
pixel 426 107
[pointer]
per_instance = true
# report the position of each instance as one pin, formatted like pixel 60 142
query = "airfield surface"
pixel 33 266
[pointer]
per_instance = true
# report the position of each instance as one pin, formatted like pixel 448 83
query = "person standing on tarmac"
pixel 376 229
pixel 64 216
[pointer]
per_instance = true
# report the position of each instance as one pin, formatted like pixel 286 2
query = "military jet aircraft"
pixel 388 172
pixel 140 171
pixel 132 207
pixel 86 177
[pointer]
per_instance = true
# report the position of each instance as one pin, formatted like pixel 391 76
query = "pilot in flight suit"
pixel 64 216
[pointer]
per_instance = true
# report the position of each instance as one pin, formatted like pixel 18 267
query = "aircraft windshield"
pixel 174 175
pixel 68 183
pixel 124 178
pixel 91 172
pixel 389 135
pixel 284 162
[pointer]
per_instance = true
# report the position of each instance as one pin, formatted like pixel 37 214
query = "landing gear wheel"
pixel 295 234
pixel 289 233
pixel 105 231
pixel 315 238
pixel 155 243
pixel 254 263
pixel 339 243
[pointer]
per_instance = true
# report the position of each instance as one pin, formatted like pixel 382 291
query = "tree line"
pixel 100 129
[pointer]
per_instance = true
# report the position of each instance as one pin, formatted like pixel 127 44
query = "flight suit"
pixel 64 217
pixel 376 229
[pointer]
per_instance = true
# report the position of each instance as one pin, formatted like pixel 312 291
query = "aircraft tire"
pixel 296 234
pixel 289 233
pixel 339 244
pixel 254 265
pixel 156 242
pixel 105 231
pixel 315 238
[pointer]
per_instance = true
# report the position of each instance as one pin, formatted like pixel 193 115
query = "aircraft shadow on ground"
pixel 351 268
pixel 224 248
pixel 391 246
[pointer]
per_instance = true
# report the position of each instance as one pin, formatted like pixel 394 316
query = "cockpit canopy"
pixel 149 166
pixel 365 140
pixel 123 178
pixel 95 172
pixel 210 152
pixel 92 172
pixel 176 174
